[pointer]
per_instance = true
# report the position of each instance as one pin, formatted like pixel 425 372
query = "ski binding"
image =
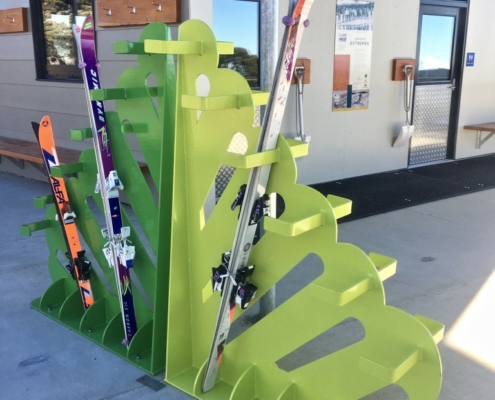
pixel 243 291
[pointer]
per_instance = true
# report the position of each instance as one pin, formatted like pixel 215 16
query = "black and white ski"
pixel 232 276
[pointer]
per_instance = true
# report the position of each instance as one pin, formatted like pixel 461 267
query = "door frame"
pixel 457 61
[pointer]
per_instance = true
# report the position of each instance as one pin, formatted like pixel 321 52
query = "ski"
pixel 79 268
pixel 119 255
pixel 232 276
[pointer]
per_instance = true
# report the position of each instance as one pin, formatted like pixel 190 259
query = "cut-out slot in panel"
pixel 151 83
pixel 238 145
pixel 63 260
pixel 305 272
pixel 340 336
pixel 202 90
pixel 394 392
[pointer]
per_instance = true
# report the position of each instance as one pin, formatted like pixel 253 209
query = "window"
pixel 238 21
pixel 437 41
pixel 54 45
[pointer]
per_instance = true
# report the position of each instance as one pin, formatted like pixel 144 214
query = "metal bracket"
pixel 16 161
pixel 480 141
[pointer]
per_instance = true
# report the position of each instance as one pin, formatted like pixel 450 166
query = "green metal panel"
pixel 147 111
pixel 184 147
pixel 397 348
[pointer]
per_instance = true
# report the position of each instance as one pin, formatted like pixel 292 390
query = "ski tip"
pixel 288 20
pixel 36 128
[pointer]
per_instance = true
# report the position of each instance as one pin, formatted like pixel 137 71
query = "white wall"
pixel 352 143
pixel 478 84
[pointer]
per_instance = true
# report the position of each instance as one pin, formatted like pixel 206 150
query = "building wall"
pixel 352 143
pixel 478 86
pixel 343 144
pixel 24 99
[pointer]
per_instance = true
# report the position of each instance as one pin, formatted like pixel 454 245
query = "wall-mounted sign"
pixel 352 62
pixel 470 60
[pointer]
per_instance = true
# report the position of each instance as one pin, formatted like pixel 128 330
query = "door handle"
pixel 453 86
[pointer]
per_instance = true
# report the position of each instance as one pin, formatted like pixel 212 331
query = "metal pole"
pixel 268 37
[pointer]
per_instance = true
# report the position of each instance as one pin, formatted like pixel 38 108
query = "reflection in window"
pixel 437 35
pixel 238 21
pixel 56 55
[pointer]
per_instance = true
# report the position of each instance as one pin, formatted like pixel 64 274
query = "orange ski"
pixel 78 267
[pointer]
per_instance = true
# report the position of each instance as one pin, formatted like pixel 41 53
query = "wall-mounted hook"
pixel 133 11
pixel 159 6
pixel 109 10
pixel 12 19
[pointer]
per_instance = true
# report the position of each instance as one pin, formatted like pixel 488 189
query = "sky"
pixel 436 43
pixel 236 21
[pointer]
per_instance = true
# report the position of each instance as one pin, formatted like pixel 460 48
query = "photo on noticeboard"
pixel 352 62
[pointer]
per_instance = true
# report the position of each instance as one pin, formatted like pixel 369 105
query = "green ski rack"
pixel 145 100
pixel 213 106
pixel 184 127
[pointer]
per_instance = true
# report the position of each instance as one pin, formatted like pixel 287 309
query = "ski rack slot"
pixel 182 47
pixel 386 266
pixel 123 93
pixel 216 102
pixel 71 311
pixel 298 148
pixel 97 318
pixel 251 160
pixel 292 229
pixel 66 169
pixel 387 373
pixel 341 206
pixel 350 292
pixel 54 297
pixel 28 229
pixel 81 134
pixel 43 201
pixel 224 102
pixel 435 328
pixel 260 98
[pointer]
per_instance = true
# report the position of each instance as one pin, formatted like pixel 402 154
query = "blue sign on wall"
pixel 470 60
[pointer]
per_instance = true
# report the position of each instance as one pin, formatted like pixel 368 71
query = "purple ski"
pixel 119 255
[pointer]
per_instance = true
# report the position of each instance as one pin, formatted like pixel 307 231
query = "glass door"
pixel 437 82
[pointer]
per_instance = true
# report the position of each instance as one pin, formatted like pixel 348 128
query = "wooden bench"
pixel 19 151
pixel 480 128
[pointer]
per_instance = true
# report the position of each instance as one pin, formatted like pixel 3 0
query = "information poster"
pixel 352 62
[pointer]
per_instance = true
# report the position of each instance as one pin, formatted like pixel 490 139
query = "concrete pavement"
pixel 446 258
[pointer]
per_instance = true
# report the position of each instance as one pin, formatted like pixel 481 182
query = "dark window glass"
pixel 238 21
pixel 55 47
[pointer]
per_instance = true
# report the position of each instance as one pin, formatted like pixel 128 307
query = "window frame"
pixel 44 71
pixel 222 58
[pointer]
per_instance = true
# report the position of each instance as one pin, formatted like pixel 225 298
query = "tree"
pixel 243 62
